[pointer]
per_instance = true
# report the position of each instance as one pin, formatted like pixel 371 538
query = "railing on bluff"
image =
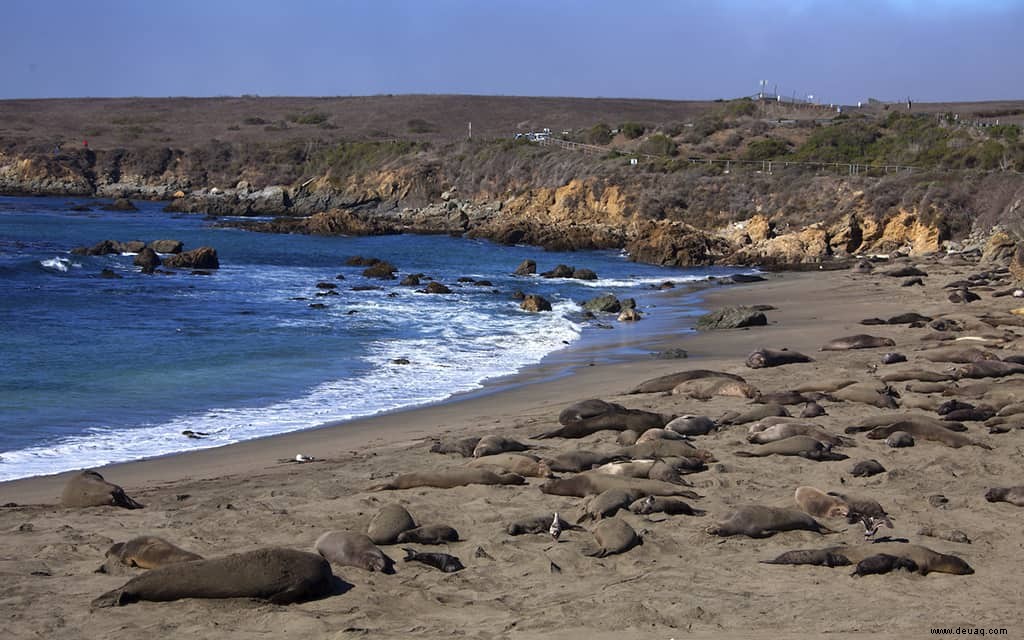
pixel 765 166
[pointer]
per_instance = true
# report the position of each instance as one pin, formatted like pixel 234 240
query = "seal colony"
pixel 587 504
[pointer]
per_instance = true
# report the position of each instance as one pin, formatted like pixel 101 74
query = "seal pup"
pixel 144 552
pixel 1013 495
pixel 670 506
pixel 350 549
pixel 448 479
pixel 817 503
pixel 442 561
pixel 607 503
pixel 282 576
pixel 859 341
pixel 388 523
pixel 89 489
pixel 763 358
pixel 429 534
pixel 758 521
pixel 866 511
pixel 883 563
pixel 867 468
pixel 614 536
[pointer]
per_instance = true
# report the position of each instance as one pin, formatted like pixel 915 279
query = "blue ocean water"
pixel 96 370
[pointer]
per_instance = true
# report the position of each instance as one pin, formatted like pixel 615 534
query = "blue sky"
pixel 838 50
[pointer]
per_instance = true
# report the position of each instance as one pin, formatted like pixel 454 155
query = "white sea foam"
pixel 59 264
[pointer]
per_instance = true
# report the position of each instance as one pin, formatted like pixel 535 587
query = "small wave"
pixel 59 264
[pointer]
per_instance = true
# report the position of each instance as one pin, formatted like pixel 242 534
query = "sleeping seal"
pixel 144 552
pixel 803 446
pixel 926 560
pixel 349 549
pixel 282 576
pixel 1013 495
pixel 770 358
pixel 758 521
pixel 859 341
pixel 614 536
pixel 815 502
pixel 448 479
pixel 89 489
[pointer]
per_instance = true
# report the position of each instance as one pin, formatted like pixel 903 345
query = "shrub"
pixel 253 120
pixel 766 149
pixel 599 134
pixel 659 145
pixel 632 130
pixel 419 125
pixel 311 117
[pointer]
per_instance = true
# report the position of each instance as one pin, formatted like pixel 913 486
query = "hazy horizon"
pixel 938 51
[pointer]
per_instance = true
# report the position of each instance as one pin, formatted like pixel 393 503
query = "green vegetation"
pixel 599 134
pixel 351 157
pixel 659 145
pixel 419 125
pixel 766 149
pixel 310 117
pixel 632 130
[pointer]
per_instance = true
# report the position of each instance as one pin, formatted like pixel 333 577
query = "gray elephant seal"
pixel 614 536
pixel 657 504
pixel 859 341
pixel 145 552
pixel 349 549
pixel 867 468
pixel 491 445
pixel 607 503
pixel 576 461
pixel 707 388
pixel 690 425
pixel 816 502
pixel 89 489
pixel 448 479
pixel 758 413
pixel 282 576
pixel 757 521
pixel 883 563
pixel 389 522
pixel 785 430
pixel 429 534
pixel 537 524
pixel 812 410
pixel 899 440
pixel 927 561
pixel 866 511
pixel 524 465
pixel 803 446
pixel 763 358
pixel 589 483
pixel 1013 495
pixel 462 446
pixel 926 432
pixel 669 382
pixel 590 416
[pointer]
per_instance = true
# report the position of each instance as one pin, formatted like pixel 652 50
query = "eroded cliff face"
pixel 679 218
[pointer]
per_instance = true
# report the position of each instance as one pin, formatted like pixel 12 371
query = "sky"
pixel 839 51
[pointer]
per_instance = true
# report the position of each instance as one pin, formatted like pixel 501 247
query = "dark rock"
pixel 366 287
pixel 400 361
pixel 381 270
pixel 436 287
pixel 167 246
pixel 603 304
pixel 326 285
pixel 132 246
pixel 560 271
pixel 465 280
pixel 526 268
pixel 584 274
pixel 483 283
pixel 360 261
pixel 744 278
pixel 107 273
pixel 317 305
pixel 535 303
pixel 518 295
pixel 201 258
pixel 668 284
pixel 120 204
pixel 732 318
pixel 203 272
pixel 411 280
pixel 628 303
pixel 339 277
pixel 148 260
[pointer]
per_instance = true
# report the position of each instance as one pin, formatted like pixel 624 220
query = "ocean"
pixel 97 370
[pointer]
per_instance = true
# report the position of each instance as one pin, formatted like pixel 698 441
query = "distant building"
pixel 535 136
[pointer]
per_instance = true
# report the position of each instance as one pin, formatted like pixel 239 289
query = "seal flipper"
pixel 120 499
pixel 116 598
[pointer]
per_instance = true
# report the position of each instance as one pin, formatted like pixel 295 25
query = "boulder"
pixel 381 270
pixel 535 303
pixel 603 304
pixel 360 261
pixel 411 280
pixel 201 258
pixel 560 271
pixel 732 318
pixel 436 287
pixel 584 274
pixel 120 204
pixel 1000 248
pixel 132 246
pixel 108 273
pixel 148 260
pixel 526 268
pixel 167 246
pixel 1017 264
pixel 629 315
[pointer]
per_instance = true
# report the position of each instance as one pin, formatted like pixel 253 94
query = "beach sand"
pixel 681 582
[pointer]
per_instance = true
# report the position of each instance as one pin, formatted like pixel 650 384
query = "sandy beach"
pixel 681 582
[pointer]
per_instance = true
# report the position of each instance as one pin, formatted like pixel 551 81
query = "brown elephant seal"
pixel 769 410
pixel 866 511
pixel 958 354
pixel 899 440
pixel 707 388
pixel 858 341
pixel 785 430
pixel 491 445
pixel 144 552
pixel 614 536
pixel 537 524
pixel 817 503
pixel 823 385
pixel 763 358
pixel 429 534
pixel 655 434
pixel 669 382
pixel 462 446
pixel 885 420
pixel 448 479
pixel 629 437
pixel 89 489
pixel 927 432
pixel 634 469
pixel 589 483
pixel 920 375
pixel 1013 495
pixel 524 465
pixel 927 561
pixel 607 503
pixel 597 414
pixel 659 504
pixel 803 446
pixel 783 398
pixel 812 410
pixel 883 563
pixel 665 449
pixel 576 461
pixel 757 521
pixel 987 369
pixel 282 576
pixel 691 425
pixel 866 469
pixel 350 549
pixel 390 521
pixel 441 561
pixel 874 394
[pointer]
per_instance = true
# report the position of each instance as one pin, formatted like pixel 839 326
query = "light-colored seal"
pixel 448 479
pixel 634 469
pixel 462 446
pixel 819 504
pixel 927 432
pixel 389 522
pixel 707 388
pixel 691 425
pixel 665 449
pixel 785 430
pixel 145 552
pixel 89 489
pixel 655 434
pixel 614 536
pixel 491 445
pixel 524 465
pixel 874 394
pixel 350 549
pixel 859 341
pixel 803 446
pixel 607 503
pixel 658 504
pixel 279 575
pixel 669 382
pixel 589 483
pixel 1013 495
pixel 758 521
pixel 958 354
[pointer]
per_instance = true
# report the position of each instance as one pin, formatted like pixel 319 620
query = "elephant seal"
pixel 1013 495
pixel 658 504
pixel 927 561
pixel 866 511
pixel 448 479
pixel 920 375
pixel 576 461
pixel 859 341
pixel 930 432
pixel 429 534
pixel 785 430
pixel 874 394
pixel 462 446
pixel 666 449
pixel 389 522
pixel 89 489
pixel 803 446
pixel 763 358
pixel 629 437
pixel 867 468
pixel 634 469
pixel 669 382
pixel 594 415
pixel 987 369
pixel 537 524
pixel 958 355
pixel 282 576
pixel 690 425
pixel 607 503
pixel 899 439
pixel 817 503
pixel 441 561
pixel 893 358
pixel 144 552
pixel 524 465
pixel 491 445
pixel 349 549
pixel 769 410
pixel 783 398
pixel 883 563
pixel 589 483
pixel 707 388
pixel 614 536
pixel 757 521
pixel 812 410
pixel 654 433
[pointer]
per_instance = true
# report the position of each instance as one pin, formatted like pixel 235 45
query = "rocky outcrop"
pixel 535 303
pixel 166 246
pixel 201 258
pixel 147 259
pixel 526 268
pixel 732 318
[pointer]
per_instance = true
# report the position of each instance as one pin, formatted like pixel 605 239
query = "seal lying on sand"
pixel 803 446
pixel 1013 495
pixel 815 502
pixel 349 549
pixel 590 416
pixel 883 563
pixel 442 561
pixel 926 432
pixel 770 358
pixel 589 483
pixel 859 341
pixel 524 465
pixel 865 511
pixel 926 560
pixel 576 461
pixel 757 521
pixel 389 523
pixel 537 524
pixel 448 479
pixel 145 552
pixel 89 489
pixel 785 430
pixel 669 382
pixel 607 503
pixel 279 575
pixel 462 446
pixel 614 536
pixel 492 445
pixel 429 534
pixel 657 504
